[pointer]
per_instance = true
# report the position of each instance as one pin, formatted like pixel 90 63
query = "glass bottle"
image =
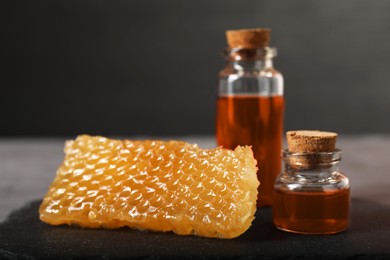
pixel 250 107
pixel 311 195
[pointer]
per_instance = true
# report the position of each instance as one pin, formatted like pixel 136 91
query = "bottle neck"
pixel 312 164
pixel 321 171
pixel 255 64
pixel 251 58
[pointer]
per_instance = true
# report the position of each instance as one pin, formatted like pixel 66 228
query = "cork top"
pixel 248 38
pixel 305 141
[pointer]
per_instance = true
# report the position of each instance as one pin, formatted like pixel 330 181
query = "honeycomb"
pixel 153 185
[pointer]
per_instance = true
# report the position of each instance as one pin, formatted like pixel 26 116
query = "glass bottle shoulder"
pixel 244 79
pixel 231 70
pixel 314 183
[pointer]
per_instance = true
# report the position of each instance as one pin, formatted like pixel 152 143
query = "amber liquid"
pixel 324 212
pixel 255 121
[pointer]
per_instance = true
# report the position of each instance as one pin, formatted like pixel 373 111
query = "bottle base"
pixel 309 232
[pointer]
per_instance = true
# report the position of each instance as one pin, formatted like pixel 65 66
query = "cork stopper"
pixel 311 149
pixel 304 141
pixel 248 38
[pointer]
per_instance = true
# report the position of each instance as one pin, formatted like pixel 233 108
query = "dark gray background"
pixel 150 67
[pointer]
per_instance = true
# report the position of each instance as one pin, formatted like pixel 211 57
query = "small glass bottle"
pixel 311 195
pixel 250 104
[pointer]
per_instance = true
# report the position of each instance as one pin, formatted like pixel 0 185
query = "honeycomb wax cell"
pixel 153 185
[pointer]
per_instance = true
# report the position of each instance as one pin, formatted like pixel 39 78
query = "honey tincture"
pixel 311 195
pixel 250 104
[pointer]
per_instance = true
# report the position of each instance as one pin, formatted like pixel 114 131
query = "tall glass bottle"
pixel 250 104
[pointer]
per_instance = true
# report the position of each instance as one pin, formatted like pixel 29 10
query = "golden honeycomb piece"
pixel 153 185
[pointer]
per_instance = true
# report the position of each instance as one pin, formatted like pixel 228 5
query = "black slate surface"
pixel 24 236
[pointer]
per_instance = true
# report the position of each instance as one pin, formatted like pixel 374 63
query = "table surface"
pixel 27 167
